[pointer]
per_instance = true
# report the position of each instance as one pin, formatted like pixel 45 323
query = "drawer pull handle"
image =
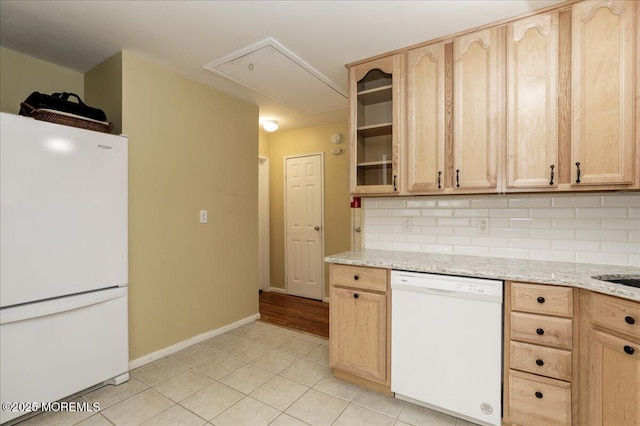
pixel 629 350
pixel 458 178
pixel 356 277
pixel 578 172
pixel 552 174
pixel 539 362
pixel 356 295
pixel 630 320
pixel 539 395
pixel 540 331
pixel 439 176
pixel 540 299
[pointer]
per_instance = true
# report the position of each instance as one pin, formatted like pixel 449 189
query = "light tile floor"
pixel 258 374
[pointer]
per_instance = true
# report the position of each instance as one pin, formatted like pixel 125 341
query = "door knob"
pixel 317 228
pixel 357 229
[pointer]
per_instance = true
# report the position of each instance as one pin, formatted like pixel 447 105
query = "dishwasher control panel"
pixel 447 285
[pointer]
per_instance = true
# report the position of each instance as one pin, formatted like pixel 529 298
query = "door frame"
pixel 264 283
pixel 286 251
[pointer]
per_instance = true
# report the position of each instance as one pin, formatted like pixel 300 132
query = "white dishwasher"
pixel 446 344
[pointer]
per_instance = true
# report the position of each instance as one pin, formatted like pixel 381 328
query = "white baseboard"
pixel 277 290
pixel 154 356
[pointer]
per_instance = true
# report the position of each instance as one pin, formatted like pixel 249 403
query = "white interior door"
pixel 304 256
pixel 263 221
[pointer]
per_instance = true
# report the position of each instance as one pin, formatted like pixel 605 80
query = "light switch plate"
pixel 203 216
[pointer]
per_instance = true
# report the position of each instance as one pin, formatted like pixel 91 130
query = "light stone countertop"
pixel 534 271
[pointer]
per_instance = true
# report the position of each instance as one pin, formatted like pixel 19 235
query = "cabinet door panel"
pixel 425 119
pixel 603 93
pixel 532 118
pixel 477 117
pixel 359 333
pixel 615 380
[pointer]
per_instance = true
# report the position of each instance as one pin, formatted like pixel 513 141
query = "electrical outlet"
pixel 203 216
pixel 406 224
pixel 483 226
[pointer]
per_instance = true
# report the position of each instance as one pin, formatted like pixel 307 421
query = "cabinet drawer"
pixel 541 330
pixel 359 277
pixel 535 400
pixel 542 299
pixel 615 314
pixel 555 363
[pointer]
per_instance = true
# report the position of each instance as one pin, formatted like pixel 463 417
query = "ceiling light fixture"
pixel 270 125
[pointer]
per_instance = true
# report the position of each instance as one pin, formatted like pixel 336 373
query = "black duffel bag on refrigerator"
pixel 61 102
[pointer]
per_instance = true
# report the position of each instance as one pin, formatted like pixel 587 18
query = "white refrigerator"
pixel 63 260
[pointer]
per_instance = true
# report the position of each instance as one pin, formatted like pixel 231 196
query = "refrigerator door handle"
pixel 56 306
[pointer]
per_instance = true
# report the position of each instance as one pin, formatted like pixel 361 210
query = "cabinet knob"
pixel 629 350
pixel 356 295
pixel 539 395
pixel 540 299
pixel 356 277
pixel 630 320
pixel 540 331
pixel 539 362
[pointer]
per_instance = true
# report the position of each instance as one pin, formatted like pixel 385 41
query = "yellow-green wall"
pixel 103 89
pixel 20 75
pixel 337 213
pixel 263 144
pixel 191 148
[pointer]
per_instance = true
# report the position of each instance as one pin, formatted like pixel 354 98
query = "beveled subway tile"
pixel 159 371
pixel 575 200
pixel 603 213
pixel 554 255
pixel 602 258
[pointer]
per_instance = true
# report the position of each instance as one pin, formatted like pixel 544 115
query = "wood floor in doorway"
pixel 302 314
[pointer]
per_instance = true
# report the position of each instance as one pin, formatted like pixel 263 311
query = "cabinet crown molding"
pixel 616 8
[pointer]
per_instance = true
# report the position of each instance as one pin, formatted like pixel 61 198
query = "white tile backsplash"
pixel 599 228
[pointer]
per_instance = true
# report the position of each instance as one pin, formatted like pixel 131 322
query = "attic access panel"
pixel 270 69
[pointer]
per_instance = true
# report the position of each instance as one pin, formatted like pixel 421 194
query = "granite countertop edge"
pixel 533 271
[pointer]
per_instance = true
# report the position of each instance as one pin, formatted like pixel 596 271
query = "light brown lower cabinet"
pixel 611 377
pixel 572 357
pixel 359 320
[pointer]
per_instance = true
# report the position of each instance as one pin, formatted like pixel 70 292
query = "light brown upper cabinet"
pixel 602 143
pixel 425 119
pixel 374 96
pixel 478 131
pixel 532 106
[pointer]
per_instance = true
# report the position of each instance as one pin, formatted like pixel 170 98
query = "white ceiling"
pixel 186 35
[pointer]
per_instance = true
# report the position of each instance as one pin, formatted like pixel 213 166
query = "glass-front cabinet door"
pixel 374 98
